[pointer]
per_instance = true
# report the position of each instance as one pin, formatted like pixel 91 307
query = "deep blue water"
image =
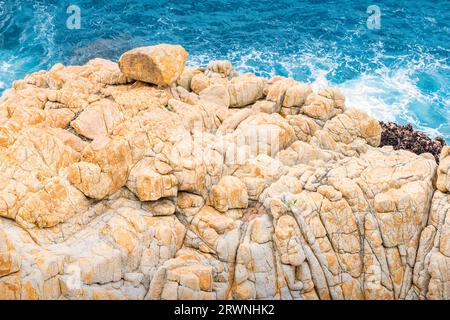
pixel 399 72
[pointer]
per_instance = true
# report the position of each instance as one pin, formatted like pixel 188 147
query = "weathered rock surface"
pixel 211 185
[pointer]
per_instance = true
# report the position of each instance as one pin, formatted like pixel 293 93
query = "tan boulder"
pixel 233 120
pixel 161 64
pixel 266 133
pixel 304 127
pixel 103 169
pixel 9 259
pixel 199 82
pixel 220 68
pixel 55 203
pixel 186 76
pixel 186 277
pixel 443 181
pixel 265 106
pixel 349 132
pixel 9 263
pixel 189 204
pixel 58 118
pixel 319 107
pixel 245 90
pixel 162 207
pixel 433 255
pixel 218 233
pixel 217 94
pixel 98 120
pixel 335 95
pixel 276 91
pixel 295 97
pixel 229 193
pixel 150 185
pixel 106 72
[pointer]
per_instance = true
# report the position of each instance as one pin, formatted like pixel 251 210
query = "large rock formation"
pixel 212 185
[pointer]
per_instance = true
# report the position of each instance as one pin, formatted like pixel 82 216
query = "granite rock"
pixel 155 181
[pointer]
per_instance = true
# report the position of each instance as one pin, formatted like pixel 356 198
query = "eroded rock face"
pixel 210 185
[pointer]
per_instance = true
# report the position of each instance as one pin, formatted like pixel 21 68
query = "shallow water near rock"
pixel 399 72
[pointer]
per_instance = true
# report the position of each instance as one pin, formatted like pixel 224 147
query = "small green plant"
pixel 289 203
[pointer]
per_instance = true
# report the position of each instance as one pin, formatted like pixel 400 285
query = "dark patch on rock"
pixel 406 138
pixel 72 130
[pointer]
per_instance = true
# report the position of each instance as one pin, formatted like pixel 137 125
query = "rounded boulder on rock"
pixel 161 64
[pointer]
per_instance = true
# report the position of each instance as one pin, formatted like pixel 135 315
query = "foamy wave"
pixel 386 93
pixel 393 95
pixel 306 66
pixel 44 28
pixel 382 96
pixel 6 73
pixel 386 99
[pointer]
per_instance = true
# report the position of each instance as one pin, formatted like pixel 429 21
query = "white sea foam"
pixel 391 94
pixel 44 28
pixel 268 64
pixel 6 72
pixel 386 93
pixel 383 95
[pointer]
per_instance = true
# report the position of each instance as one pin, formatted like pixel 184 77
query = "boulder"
pixel 245 90
pixel 229 193
pixel 161 64
pixel 220 68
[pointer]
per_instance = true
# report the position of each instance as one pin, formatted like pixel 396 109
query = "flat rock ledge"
pixel 153 180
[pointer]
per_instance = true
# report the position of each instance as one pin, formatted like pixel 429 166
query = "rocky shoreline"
pixel 146 179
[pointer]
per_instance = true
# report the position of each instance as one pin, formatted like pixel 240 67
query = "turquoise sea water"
pixel 399 72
